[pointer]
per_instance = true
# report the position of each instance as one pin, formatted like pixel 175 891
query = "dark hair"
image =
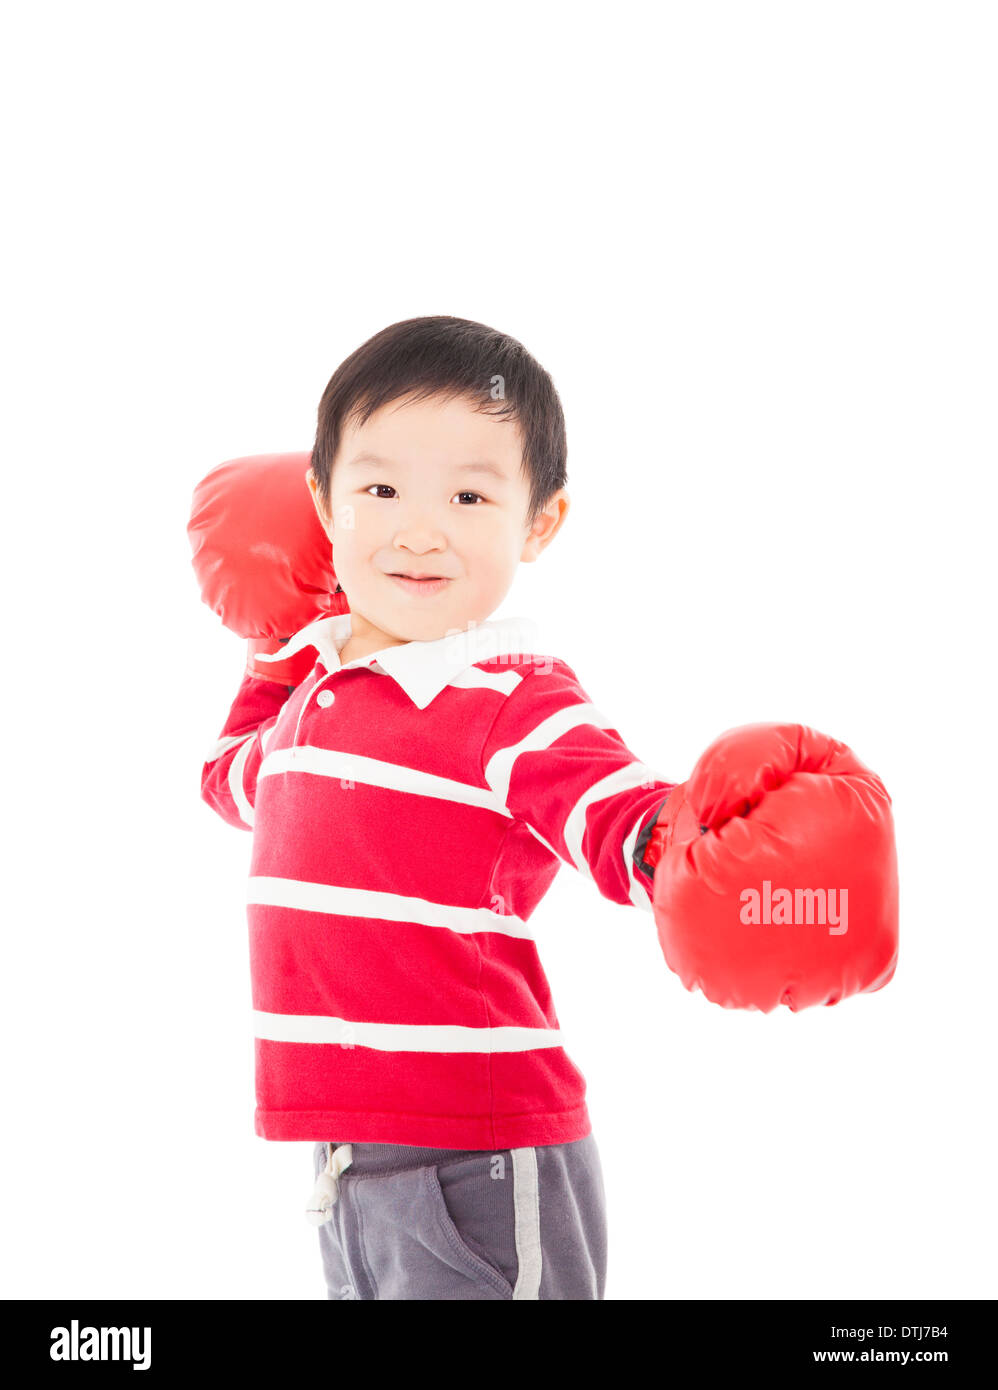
pixel 449 357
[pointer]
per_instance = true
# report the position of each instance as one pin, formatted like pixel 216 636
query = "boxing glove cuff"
pixel 674 823
pixel 290 672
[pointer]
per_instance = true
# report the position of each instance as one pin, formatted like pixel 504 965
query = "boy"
pixel 411 803
pixel 414 790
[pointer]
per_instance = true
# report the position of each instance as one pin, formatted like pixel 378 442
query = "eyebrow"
pixel 478 466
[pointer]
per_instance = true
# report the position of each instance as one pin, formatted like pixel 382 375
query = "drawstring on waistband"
pixel 327 1187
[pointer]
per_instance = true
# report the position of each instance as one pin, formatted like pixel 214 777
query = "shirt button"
pixel 325 698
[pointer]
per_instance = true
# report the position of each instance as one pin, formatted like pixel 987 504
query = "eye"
pixel 389 488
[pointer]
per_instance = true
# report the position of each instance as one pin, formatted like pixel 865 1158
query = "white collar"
pixel 422 669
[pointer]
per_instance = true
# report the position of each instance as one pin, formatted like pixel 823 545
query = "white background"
pixel 754 245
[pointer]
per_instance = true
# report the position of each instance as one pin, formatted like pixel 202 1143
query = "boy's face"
pixel 406 498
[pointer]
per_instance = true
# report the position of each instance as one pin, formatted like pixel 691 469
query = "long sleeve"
pixel 228 778
pixel 557 764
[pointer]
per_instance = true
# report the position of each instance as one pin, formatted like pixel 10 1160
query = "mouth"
pixel 420 583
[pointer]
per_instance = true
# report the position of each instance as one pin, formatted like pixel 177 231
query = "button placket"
pixel 319 700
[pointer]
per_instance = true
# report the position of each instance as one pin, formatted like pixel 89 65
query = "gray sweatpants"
pixel 419 1223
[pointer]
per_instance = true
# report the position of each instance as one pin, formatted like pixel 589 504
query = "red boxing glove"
pixel 262 559
pixel 775 872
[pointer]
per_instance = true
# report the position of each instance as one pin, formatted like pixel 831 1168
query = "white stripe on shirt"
pixel 639 893
pixel 338 901
pixel 223 744
pixel 505 682
pixel 400 1037
pixel 631 775
pixel 499 772
pixel 375 772
pixel 239 796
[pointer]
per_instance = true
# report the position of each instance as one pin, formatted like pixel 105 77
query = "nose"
pixel 419 537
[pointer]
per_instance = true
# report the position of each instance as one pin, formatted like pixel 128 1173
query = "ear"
pixel 546 526
pixel 313 490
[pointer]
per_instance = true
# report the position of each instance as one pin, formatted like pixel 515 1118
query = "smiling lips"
pixel 420 584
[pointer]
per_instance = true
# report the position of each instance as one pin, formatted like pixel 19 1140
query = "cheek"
pixel 496 555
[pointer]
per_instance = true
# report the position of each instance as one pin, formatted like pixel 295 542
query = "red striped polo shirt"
pixel 409 811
